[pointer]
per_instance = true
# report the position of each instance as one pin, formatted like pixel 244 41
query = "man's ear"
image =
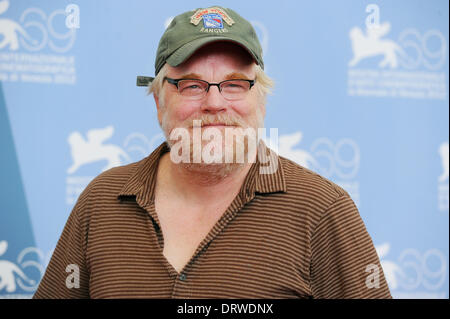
pixel 158 108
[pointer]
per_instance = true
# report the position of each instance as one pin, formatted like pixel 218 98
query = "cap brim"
pixel 186 51
pixel 144 80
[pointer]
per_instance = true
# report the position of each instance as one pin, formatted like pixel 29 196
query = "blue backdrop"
pixel 361 97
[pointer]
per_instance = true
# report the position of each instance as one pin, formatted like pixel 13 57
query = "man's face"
pixel 213 63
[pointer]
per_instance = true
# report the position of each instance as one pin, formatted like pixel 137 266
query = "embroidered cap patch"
pixel 212 18
pixel 212 21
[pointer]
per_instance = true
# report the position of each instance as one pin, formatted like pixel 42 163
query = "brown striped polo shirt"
pixel 290 234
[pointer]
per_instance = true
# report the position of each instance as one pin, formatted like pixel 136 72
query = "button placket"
pixel 181 286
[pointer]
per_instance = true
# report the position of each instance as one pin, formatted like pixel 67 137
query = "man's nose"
pixel 214 101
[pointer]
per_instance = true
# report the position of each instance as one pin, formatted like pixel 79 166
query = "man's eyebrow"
pixel 190 76
pixel 236 75
pixel 231 76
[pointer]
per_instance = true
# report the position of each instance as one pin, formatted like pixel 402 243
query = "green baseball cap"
pixel 191 30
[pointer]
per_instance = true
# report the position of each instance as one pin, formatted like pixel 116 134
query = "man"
pixel 234 221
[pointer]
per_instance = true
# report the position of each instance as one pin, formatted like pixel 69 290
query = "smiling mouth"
pixel 216 124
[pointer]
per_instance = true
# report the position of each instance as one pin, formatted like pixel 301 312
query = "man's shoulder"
pixel 117 175
pixel 305 198
pixel 111 181
pixel 305 184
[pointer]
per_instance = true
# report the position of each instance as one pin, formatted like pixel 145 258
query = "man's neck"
pixel 198 184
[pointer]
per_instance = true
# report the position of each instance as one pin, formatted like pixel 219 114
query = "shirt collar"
pixel 261 178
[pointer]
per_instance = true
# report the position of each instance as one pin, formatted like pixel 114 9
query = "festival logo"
pixel 410 66
pixel 35 46
pixel 371 44
pixel 92 149
pixel 10 30
pixel 338 161
pixel 414 275
pixel 390 268
pixel 20 279
pixel 286 149
pixel 94 154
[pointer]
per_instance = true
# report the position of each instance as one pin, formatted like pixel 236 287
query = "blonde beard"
pixel 216 171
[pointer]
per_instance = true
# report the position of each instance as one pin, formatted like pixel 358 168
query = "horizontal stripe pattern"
pixel 290 234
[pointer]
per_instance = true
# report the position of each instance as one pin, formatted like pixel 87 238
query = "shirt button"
pixel 182 277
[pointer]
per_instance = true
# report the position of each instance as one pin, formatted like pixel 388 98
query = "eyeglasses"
pixel 195 89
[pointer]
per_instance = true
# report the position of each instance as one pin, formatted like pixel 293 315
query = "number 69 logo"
pixel 429 269
pixel 340 159
pixel 43 30
pixel 429 49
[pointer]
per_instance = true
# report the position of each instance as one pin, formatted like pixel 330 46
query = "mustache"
pixel 208 119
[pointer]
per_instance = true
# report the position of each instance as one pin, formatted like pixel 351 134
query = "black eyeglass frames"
pixel 196 89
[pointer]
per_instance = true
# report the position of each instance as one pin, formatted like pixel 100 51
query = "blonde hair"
pixel 263 84
pixel 156 85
